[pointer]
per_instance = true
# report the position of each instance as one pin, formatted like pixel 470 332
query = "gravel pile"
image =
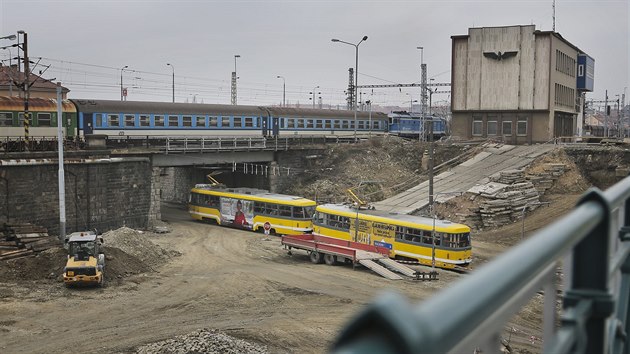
pixel 203 341
pixel 139 245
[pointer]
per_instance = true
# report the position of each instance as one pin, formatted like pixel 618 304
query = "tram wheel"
pixel 317 257
pixel 330 259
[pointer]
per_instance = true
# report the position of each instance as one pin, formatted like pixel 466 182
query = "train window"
pixel 361 125
pixel 309 124
pixel 200 121
pixel 477 125
pixel 327 124
pixel 113 120
pixel 43 119
pixel 186 121
pixel 158 120
pixel 213 121
pixel 376 124
pixel 319 124
pixel 6 119
pixel 290 123
pixel 225 121
pixel 300 123
pixel 130 120
pixel 351 124
pixel 345 124
pixel 521 126
pixel 238 122
pixel 249 122
pixel 507 128
pixel 337 124
pixel 145 120
pixel 173 121
pixel 98 119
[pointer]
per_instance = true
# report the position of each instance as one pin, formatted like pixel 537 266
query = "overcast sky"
pixel 86 43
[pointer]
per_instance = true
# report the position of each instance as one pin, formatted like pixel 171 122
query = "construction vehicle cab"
pixel 85 260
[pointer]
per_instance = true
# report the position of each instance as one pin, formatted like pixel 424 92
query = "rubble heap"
pixel 203 341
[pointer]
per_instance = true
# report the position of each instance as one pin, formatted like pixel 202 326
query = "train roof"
pixel 100 106
pixel 291 112
pixel 382 216
pixel 254 194
pixel 35 104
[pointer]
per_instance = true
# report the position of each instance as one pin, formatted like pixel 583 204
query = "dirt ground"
pixel 240 283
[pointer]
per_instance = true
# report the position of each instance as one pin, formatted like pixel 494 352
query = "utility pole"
pixel 61 175
pixel 606 115
pixel 26 87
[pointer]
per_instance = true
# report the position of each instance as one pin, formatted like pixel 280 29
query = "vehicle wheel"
pixel 317 257
pixel 330 259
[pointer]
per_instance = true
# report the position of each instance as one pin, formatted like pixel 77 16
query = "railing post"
pixel 589 285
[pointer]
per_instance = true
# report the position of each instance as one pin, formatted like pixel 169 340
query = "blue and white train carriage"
pixel 133 118
pixel 411 125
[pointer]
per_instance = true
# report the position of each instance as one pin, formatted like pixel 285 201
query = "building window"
pixel 521 126
pixel 158 120
pixel 477 126
pixel 6 119
pixel 507 128
pixel 43 119
pixel 213 121
pixel 145 120
pixel 112 120
pixel 492 125
pixel 187 121
pixel 173 121
pixel 200 121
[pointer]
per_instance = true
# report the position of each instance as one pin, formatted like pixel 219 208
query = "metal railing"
pixel 593 243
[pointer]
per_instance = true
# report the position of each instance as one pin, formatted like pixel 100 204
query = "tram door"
pixel 276 126
pixel 87 123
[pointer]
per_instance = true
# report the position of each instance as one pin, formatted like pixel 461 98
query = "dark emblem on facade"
pixel 499 56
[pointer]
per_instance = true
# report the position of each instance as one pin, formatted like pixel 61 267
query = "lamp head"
pixel 21 32
pixel 364 38
pixel 237 56
pixel 125 67
pixel 335 40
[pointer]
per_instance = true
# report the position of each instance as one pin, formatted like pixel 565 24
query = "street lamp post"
pixel 356 77
pixel 284 90
pixel 432 206
pixel 173 68
pixel 313 93
pixel 121 81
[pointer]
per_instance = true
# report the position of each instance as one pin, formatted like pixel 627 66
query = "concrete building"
pixel 517 84
pixel 12 80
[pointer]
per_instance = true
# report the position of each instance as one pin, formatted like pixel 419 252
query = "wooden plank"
pixel 30 235
pixel 16 255
pixel 36 239
pixel 4 249
pixel 13 252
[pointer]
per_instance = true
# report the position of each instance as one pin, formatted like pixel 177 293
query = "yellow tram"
pixel 251 209
pixel 408 237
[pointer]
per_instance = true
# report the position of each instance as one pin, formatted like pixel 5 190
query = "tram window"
pixel 144 120
pixel 310 211
pixel 298 212
pixel 187 121
pixel 238 122
pixel 285 210
pixel 309 123
pixel 158 120
pixel 43 119
pixel 416 239
pixel 97 116
pixel 400 232
pixel 225 122
pixel 319 218
pixel 200 121
pixel 345 223
pixel 213 121
pixel 327 124
pixel 112 120
pixel 173 121
pixel 259 207
pixel 272 209
pixel 319 124
pixel 249 122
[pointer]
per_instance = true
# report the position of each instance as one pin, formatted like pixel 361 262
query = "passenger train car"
pixel 412 125
pixel 43 117
pixel 408 237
